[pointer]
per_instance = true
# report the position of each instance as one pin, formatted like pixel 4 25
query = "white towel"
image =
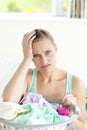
pixel 9 110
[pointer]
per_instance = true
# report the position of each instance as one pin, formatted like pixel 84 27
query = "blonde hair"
pixel 41 34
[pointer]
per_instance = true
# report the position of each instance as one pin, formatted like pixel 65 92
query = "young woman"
pixel 46 78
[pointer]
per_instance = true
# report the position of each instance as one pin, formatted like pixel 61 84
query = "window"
pixel 51 7
pixel 30 6
pixel 60 8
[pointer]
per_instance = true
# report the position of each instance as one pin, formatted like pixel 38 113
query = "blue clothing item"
pixel 33 85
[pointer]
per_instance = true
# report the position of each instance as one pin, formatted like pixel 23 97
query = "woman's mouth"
pixel 45 66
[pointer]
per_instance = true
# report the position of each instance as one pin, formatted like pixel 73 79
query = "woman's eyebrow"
pixel 48 50
pixel 35 54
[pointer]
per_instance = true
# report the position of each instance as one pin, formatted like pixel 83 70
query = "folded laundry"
pixel 9 110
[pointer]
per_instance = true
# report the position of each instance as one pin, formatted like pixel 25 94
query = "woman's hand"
pixel 27 45
pixel 69 100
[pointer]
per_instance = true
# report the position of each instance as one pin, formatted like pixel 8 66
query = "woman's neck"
pixel 55 74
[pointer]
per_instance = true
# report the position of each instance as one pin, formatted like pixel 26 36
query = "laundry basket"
pixel 65 125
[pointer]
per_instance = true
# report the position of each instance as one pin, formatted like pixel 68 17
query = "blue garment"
pixel 33 85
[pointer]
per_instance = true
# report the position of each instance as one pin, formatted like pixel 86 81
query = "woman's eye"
pixel 36 55
pixel 48 52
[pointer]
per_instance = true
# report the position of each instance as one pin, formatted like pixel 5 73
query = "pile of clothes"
pixel 33 109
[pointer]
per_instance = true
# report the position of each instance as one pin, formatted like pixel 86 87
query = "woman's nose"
pixel 44 59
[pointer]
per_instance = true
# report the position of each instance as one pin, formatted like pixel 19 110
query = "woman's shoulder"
pixel 77 81
pixel 78 84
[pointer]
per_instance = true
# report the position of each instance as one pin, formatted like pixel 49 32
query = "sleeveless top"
pixel 33 87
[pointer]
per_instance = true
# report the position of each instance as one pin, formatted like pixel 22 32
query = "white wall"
pixel 70 35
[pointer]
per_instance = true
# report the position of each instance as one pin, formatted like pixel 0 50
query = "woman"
pixel 46 79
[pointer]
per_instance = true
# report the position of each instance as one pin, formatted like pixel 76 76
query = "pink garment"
pixel 63 111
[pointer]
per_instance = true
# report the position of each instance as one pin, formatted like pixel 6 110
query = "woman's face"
pixel 44 54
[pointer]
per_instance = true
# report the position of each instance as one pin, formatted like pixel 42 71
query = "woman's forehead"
pixel 43 44
pixel 42 49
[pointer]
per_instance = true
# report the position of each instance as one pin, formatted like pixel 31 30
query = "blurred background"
pixel 63 8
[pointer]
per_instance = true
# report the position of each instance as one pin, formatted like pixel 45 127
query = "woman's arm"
pixel 17 86
pixel 80 94
pixel 78 98
pixel 79 125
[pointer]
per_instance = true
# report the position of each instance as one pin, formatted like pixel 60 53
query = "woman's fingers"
pixel 27 38
pixel 27 44
pixel 30 43
pixel 69 100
